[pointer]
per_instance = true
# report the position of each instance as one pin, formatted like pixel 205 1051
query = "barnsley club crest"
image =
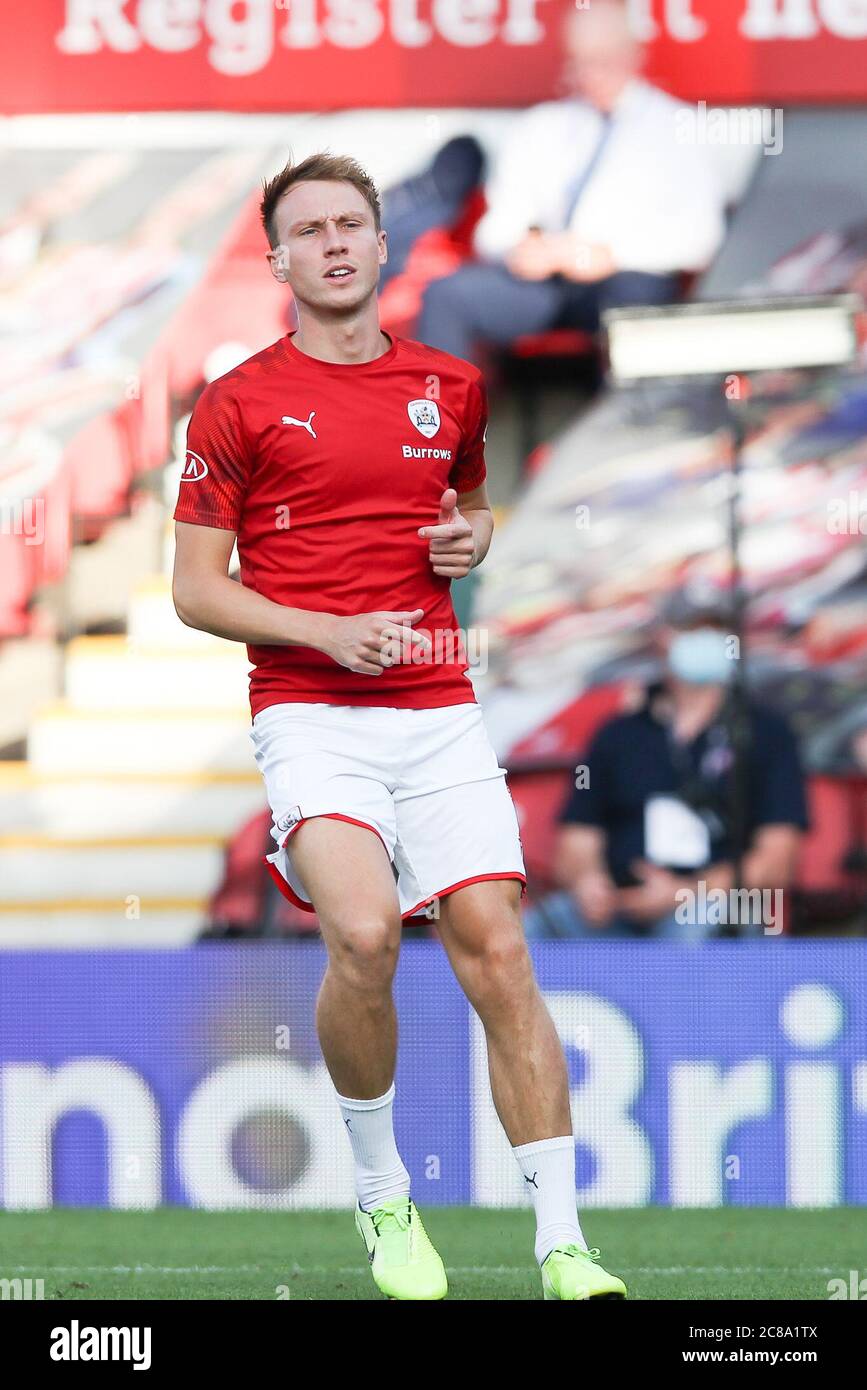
pixel 425 415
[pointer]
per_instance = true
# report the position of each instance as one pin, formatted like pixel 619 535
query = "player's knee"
pixel 364 954
pixel 501 970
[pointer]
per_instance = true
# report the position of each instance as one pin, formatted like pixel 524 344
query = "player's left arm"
pixel 460 539
pixel 476 507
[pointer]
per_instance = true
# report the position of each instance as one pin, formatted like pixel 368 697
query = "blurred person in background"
pixel 595 203
pixel 651 814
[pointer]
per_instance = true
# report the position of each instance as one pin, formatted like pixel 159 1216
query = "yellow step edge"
pixel 103 905
pixel 86 648
pixel 17 773
pixel 59 709
pixel 24 841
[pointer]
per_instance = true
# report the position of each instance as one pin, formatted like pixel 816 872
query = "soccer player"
pixel 350 468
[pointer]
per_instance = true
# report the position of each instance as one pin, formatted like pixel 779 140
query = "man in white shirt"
pixel 597 200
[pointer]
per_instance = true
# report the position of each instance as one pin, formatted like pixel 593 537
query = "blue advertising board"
pixel 729 1072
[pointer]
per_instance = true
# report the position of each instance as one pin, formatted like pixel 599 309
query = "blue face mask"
pixel 700 657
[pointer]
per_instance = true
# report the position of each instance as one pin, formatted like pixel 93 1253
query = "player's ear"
pixel 278 259
pixel 383 247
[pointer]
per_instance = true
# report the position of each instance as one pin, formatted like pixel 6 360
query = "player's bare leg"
pixel 481 929
pixel 346 873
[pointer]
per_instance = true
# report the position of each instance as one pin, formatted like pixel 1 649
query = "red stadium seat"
pixel 247 902
pixel 838 816
pixel 538 797
pixel 558 342
pixel 436 253
pixel 534 360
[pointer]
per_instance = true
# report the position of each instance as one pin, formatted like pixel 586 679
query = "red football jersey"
pixel 326 471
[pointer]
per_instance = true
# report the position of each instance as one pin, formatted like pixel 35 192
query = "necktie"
pixel 575 190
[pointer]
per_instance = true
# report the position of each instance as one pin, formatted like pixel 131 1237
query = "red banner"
pixel 289 55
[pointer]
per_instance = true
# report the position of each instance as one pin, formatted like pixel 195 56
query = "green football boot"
pixel 571 1273
pixel 403 1262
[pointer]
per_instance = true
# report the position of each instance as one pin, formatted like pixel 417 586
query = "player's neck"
pixel 350 342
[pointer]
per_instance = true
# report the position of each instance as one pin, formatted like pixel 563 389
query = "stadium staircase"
pixel 113 831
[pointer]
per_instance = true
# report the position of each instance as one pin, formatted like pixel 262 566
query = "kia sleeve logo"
pixel 195 468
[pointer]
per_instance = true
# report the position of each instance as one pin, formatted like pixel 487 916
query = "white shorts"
pixel 426 781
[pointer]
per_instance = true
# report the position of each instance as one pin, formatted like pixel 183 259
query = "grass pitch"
pixel 175 1253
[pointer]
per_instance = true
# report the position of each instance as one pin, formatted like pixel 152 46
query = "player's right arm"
pixel 206 598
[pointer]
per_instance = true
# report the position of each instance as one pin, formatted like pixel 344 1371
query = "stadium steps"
pixel 110 673
pixel 114 831
pixel 153 622
pixel 102 805
pixel 30 670
pixel 102 576
pixel 139 767
pixel 91 923
pixel 45 869
pixel 65 739
pixel 118 865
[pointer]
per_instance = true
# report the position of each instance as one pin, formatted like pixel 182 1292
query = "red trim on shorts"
pixel 281 882
pixel 285 888
pixel 464 883
pixel 289 892
pixel 335 815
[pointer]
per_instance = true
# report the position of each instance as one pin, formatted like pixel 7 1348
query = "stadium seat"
pixel 437 252
pixel 538 797
pixel 534 360
pixel 247 903
pixel 832 873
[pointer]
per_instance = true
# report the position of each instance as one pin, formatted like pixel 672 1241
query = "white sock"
pixel 548 1166
pixel 379 1170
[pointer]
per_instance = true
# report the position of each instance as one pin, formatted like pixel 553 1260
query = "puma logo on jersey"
pixel 194 468
pixel 302 424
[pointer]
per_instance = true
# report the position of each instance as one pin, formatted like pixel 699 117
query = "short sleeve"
pixel 469 470
pixel 778 793
pixel 217 465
